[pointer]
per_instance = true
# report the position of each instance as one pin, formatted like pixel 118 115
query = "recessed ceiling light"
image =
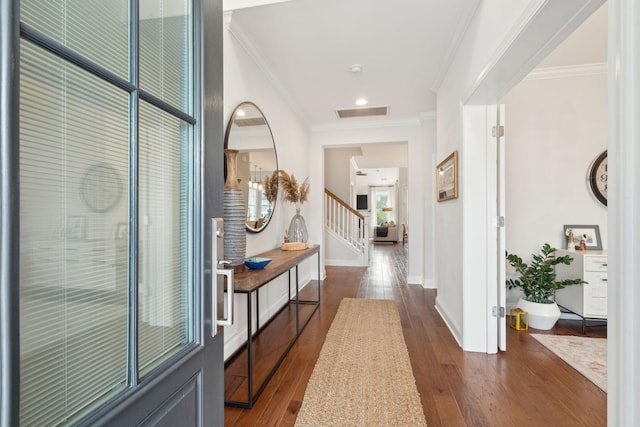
pixel 356 68
pixel 361 101
pixel 241 113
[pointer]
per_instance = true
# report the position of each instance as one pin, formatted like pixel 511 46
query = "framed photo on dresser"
pixel 589 233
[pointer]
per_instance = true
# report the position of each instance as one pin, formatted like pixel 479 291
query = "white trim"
pixel 509 39
pixel 227 16
pixel 415 280
pixel 264 66
pixel 448 321
pixel 463 24
pixel 342 262
pixel 508 59
pixel 623 213
pixel 478 252
pixel 567 71
pixel 429 284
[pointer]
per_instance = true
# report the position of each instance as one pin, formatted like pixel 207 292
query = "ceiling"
pixel 380 164
pixel 308 47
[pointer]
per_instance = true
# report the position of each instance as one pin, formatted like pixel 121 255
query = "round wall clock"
pixel 100 187
pixel 598 177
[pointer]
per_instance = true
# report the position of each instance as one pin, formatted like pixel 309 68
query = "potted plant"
pixel 538 283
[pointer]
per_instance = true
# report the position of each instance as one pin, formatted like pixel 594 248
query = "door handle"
pixel 229 274
pixel 217 286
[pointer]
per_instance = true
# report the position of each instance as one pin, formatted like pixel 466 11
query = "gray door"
pixel 110 177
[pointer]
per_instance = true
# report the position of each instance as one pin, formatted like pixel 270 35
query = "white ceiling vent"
pixel 363 112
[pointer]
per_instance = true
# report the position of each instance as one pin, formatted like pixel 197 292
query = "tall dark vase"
pixel 235 236
pixel 298 228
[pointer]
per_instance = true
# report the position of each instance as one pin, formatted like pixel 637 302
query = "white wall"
pixel 555 127
pixel 503 42
pixel 489 27
pixel 337 171
pixel 245 80
pixel 410 131
pixel 426 222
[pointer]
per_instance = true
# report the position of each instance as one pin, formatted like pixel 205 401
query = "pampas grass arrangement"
pixel 270 184
pixel 293 192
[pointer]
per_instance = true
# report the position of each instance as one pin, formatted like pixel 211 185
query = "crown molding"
pixel 454 44
pixel 227 19
pixel 246 44
pixel 567 71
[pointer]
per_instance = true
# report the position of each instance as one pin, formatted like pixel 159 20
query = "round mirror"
pixel 257 163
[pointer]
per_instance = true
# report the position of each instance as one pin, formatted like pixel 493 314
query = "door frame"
pixel 9 213
pixel 545 25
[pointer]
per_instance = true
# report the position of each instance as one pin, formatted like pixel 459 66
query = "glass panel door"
pixel 74 161
pixel 165 258
pixel 108 170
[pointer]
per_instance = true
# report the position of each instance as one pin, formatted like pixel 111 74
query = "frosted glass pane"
pixel 164 228
pixel 166 51
pixel 96 29
pixel 73 264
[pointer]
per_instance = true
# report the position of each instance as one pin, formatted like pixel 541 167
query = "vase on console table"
pixel 298 227
pixel 235 237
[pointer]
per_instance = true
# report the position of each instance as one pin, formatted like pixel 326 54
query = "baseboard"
pixel 447 320
pixel 343 263
pixel 429 284
pixel 415 280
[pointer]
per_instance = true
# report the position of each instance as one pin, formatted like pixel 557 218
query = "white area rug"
pixel 586 355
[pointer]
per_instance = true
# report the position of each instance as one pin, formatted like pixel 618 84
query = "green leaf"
pixel 538 280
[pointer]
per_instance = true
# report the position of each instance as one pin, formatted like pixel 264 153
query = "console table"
pixel 249 282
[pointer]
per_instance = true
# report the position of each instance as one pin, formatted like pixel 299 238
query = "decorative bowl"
pixel 255 263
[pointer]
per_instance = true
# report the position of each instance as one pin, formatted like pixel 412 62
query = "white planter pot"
pixel 541 316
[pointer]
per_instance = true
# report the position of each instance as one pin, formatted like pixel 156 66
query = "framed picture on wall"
pixel 447 178
pixel 589 233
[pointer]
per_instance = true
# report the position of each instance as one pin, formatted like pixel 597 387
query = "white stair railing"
pixel 346 222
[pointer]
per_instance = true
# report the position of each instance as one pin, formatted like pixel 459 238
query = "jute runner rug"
pixel 363 375
pixel 586 355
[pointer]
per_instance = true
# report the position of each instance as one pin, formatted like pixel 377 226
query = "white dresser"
pixel 589 300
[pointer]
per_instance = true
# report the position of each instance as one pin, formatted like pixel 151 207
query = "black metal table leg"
pixel 319 275
pixel 249 354
pixel 297 305
pixel 257 310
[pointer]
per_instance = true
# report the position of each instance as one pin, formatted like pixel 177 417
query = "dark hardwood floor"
pixel 525 386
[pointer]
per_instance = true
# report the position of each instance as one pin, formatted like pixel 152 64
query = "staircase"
pixel 346 233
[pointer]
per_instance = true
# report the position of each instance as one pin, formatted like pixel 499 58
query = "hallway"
pixel 527 385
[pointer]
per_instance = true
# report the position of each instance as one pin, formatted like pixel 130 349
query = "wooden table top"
pixel 281 261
